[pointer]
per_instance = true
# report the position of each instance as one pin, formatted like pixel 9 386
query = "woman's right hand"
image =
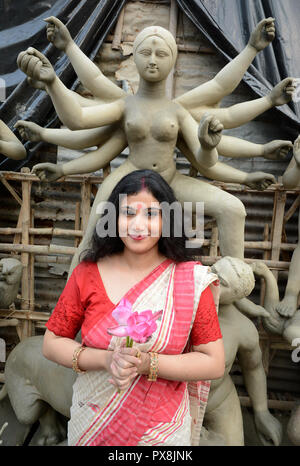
pixel 48 171
pixel 123 367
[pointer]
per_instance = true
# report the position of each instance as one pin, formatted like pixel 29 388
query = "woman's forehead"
pixel 143 197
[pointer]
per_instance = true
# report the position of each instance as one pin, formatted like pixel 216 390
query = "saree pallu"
pixel 164 412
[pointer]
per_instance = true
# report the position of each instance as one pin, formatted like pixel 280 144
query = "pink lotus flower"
pixel 138 326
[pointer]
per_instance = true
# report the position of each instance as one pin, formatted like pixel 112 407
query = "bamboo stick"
pixel 281 405
pixel 85 205
pixel 34 249
pixel 22 314
pixel 213 250
pixel 25 328
pixel 10 189
pixel 277 227
pixel 117 38
pixel 77 223
pixel 9 322
pixel 173 30
pixel 43 231
pixel 106 170
pixel 292 210
pixel 208 260
pixel 31 266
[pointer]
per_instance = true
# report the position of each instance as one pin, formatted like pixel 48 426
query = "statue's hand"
pixel 263 34
pixel 268 428
pixel 296 151
pixel 274 323
pixel 36 65
pixel 57 33
pixel 282 93
pixel 209 131
pixel 259 180
pixel 36 84
pixel 277 149
pixel 259 268
pixel 48 171
pixel 29 130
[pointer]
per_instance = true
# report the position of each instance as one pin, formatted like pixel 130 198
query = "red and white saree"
pixel 148 413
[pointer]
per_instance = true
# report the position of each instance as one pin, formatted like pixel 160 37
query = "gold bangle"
pixel 138 354
pixel 76 354
pixel 153 367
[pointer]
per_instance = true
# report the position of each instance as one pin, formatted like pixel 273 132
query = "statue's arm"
pixel 224 83
pixel 10 146
pixel 87 163
pixel 77 140
pixel 201 141
pixel 250 359
pixel 89 73
pixel 291 177
pixel 99 158
pixel 76 117
pixel 223 172
pixel 261 270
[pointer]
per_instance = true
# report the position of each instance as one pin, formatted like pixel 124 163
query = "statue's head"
pixel 236 279
pixel 155 53
pixel 10 270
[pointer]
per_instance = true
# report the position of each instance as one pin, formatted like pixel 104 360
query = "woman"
pixel 114 403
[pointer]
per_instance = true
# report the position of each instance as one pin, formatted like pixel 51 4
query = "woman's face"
pixel 140 222
pixel 153 59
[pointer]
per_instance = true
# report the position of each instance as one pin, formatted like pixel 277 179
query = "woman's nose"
pixel 139 223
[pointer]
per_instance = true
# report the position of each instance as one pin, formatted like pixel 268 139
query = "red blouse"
pixel 84 302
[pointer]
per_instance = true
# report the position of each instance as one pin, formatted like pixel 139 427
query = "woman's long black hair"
pixel 171 246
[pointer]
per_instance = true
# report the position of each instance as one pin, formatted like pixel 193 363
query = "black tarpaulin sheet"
pixel 89 21
pixel 227 25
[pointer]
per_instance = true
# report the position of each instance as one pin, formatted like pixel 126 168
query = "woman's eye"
pixel 153 213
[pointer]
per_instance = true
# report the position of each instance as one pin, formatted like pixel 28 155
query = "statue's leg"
pixel 226 421
pixel 102 195
pixel 292 329
pixel 50 428
pixel 227 209
pixel 288 306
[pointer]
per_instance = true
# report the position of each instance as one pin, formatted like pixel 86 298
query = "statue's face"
pixel 140 222
pixel 153 59
pixel 229 286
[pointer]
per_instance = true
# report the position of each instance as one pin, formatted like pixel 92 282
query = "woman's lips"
pixel 138 237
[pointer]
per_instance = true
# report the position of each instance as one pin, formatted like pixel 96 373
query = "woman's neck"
pixel 153 90
pixel 141 262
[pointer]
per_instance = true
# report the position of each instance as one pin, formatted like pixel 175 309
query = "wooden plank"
pixel 10 189
pixel 85 204
pixel 173 30
pixel 26 327
pixel 277 227
pixel 116 43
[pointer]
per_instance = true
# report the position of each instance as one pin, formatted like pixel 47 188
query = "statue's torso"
pixel 151 128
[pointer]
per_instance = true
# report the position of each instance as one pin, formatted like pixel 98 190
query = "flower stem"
pixel 129 342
